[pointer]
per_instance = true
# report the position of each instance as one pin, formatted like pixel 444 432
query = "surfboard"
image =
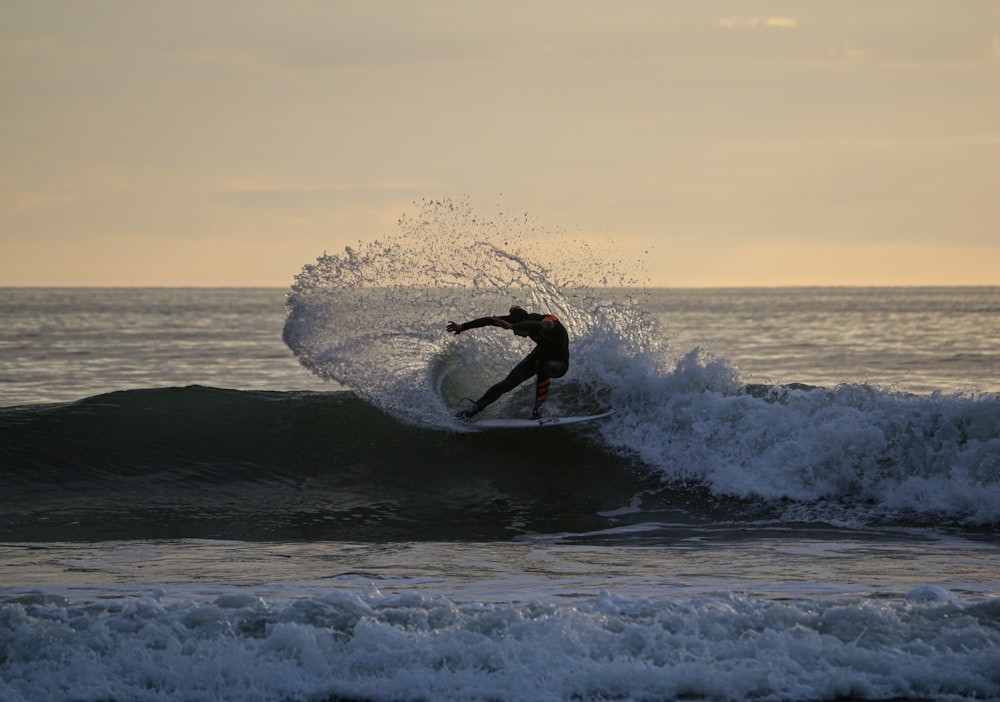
pixel 528 423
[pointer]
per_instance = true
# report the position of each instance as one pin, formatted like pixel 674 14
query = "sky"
pixel 724 143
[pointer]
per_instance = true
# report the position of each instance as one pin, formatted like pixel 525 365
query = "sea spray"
pixel 372 317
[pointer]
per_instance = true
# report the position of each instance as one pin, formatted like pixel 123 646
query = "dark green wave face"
pixel 207 463
pixel 198 462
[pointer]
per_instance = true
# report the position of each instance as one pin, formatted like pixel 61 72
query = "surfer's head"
pixel 517 314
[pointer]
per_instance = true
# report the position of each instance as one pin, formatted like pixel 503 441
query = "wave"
pixel 869 451
pixel 342 645
pixel 689 441
pixel 694 451
pixel 203 462
pixel 372 319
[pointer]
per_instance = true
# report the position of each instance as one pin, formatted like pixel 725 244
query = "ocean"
pixel 262 494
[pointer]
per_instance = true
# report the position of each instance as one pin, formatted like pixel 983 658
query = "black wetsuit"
pixel 549 359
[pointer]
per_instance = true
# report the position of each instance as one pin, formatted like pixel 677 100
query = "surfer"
pixel 549 359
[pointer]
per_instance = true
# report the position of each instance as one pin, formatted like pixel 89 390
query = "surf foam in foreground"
pixel 930 645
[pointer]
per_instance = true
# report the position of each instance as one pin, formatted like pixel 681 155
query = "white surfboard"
pixel 527 423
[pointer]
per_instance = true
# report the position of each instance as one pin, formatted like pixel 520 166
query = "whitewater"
pixel 688 416
pixel 264 494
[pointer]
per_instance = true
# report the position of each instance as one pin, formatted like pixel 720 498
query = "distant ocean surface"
pixel 261 494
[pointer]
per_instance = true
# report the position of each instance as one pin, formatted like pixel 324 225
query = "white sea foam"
pixel 858 446
pixel 237 646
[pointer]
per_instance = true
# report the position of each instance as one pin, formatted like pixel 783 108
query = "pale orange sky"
pixel 738 143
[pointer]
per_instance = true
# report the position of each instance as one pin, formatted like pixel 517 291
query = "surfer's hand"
pixel 455 328
pixel 501 322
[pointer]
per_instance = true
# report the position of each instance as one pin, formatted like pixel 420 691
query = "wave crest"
pixel 373 319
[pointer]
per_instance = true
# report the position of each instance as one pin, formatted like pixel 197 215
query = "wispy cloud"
pixel 758 22
pixel 92 184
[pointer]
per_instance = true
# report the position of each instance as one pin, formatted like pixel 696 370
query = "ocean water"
pixel 261 494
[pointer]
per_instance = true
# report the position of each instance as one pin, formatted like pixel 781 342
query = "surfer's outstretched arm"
pixel 493 321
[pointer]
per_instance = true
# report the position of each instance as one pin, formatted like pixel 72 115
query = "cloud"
pixel 28 199
pixel 28 45
pixel 24 201
pixel 757 22
pixel 781 22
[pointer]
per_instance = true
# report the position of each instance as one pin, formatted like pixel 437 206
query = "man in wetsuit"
pixel 549 359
